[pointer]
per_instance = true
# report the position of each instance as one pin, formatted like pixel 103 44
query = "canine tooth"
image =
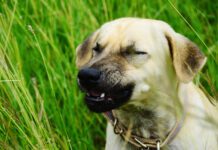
pixel 102 95
pixel 88 94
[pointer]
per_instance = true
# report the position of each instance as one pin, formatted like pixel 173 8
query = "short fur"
pixel 163 89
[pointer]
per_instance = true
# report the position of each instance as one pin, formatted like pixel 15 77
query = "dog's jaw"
pixel 106 101
pixel 101 99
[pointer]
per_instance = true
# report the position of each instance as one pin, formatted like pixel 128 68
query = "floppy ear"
pixel 84 51
pixel 187 58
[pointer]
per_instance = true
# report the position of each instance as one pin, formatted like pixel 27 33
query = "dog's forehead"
pixel 143 33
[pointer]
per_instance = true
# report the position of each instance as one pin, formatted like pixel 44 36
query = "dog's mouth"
pixel 103 101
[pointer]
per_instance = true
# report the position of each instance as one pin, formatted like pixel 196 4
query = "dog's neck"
pixel 151 121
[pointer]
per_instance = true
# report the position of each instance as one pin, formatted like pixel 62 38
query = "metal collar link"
pixel 139 142
pixel 117 129
pixel 145 146
pixel 158 145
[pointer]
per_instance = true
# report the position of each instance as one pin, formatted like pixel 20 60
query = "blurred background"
pixel 40 104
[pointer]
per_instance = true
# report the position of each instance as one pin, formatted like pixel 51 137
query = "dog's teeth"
pixel 102 95
pixel 87 94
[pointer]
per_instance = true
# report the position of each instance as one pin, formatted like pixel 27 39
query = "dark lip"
pixel 118 98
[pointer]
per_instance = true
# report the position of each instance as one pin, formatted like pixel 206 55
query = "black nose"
pixel 89 75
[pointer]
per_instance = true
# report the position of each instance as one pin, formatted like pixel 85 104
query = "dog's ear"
pixel 187 58
pixel 84 51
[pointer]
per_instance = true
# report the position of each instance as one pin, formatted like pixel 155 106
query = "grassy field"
pixel 40 104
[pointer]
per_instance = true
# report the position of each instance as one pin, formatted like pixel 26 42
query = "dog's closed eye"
pixel 131 50
pixel 140 53
pixel 136 57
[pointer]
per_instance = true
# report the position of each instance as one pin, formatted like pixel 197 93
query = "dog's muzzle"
pixel 100 96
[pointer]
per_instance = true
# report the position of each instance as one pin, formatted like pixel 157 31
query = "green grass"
pixel 40 104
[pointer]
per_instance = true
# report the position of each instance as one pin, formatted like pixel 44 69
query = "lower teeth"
pixel 101 96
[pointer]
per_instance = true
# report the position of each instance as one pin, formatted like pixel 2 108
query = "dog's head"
pixel 127 58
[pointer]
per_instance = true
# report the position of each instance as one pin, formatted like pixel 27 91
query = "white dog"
pixel 139 73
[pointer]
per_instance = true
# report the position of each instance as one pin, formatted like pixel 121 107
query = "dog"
pixel 139 73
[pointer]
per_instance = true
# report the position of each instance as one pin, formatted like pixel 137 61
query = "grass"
pixel 40 104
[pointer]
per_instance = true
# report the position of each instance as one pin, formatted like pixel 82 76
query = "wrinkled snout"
pixel 102 94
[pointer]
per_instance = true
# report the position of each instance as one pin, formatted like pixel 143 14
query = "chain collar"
pixel 141 142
